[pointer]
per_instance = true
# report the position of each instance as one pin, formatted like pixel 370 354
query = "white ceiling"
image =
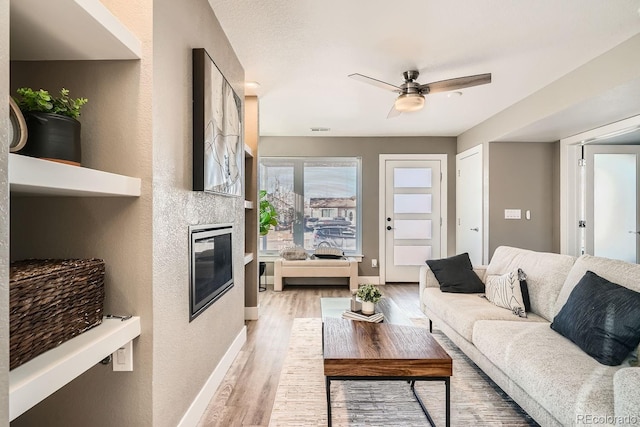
pixel 301 51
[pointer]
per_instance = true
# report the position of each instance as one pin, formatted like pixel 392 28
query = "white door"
pixel 612 228
pixel 413 228
pixel 469 204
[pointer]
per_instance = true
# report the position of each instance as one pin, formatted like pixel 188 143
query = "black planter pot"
pixel 52 137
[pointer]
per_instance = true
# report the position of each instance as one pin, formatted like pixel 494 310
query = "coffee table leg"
pixel 328 388
pixel 448 401
pixel 424 408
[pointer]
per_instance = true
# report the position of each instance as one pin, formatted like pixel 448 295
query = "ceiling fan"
pixel 412 93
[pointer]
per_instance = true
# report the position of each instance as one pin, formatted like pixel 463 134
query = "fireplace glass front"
pixel 211 265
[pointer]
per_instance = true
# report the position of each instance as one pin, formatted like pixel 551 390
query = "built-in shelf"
pixel 248 152
pixel 40 377
pixel 28 175
pixel 248 204
pixel 248 257
pixel 68 30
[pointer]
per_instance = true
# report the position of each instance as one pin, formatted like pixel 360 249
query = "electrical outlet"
pixel 123 358
pixel 374 263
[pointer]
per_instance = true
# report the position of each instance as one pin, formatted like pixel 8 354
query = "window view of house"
pixel 317 200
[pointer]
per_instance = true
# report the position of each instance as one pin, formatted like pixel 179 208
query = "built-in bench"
pixel 347 267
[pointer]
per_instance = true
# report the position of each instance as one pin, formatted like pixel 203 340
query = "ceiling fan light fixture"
pixel 409 102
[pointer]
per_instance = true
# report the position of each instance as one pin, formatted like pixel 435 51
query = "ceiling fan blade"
pixel 393 112
pixel 455 84
pixel 375 82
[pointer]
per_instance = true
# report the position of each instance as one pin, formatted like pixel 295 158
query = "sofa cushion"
pixel 461 311
pixel 555 372
pixel 602 318
pixel 508 291
pixel 546 273
pixel 455 274
pixel 620 272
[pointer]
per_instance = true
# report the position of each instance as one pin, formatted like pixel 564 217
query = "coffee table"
pixel 358 350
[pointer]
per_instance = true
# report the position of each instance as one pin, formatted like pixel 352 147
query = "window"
pixel 317 200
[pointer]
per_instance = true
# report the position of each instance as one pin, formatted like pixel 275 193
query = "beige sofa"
pixel 546 374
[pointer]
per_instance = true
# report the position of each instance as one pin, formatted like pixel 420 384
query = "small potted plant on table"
pixel 52 126
pixel 369 295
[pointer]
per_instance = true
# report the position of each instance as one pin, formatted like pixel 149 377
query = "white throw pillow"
pixel 504 291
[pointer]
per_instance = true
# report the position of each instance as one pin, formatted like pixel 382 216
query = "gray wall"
pixel 138 122
pixel 523 176
pixel 4 219
pixel 369 148
pixel 116 137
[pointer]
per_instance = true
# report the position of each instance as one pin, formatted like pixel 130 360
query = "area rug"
pixel 301 397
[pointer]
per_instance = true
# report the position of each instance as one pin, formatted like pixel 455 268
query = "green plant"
pixel 268 214
pixel 42 102
pixel 369 293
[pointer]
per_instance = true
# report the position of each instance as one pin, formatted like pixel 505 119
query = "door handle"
pixel 475 229
pixel 634 232
pixel 388 227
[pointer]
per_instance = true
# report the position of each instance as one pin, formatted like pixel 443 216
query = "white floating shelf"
pixel 40 377
pixel 68 30
pixel 247 151
pixel 248 257
pixel 248 204
pixel 28 175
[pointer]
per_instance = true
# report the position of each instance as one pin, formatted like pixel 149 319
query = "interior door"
pixel 413 215
pixel 611 198
pixel 469 231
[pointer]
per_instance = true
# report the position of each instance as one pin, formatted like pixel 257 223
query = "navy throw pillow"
pixel 602 318
pixel 455 274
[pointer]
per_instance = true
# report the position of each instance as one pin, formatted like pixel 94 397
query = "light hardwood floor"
pixel 246 395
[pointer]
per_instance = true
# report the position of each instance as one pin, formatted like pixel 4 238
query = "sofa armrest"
pixel 626 393
pixel 481 271
pixel 428 280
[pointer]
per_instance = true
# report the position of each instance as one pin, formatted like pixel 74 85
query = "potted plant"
pixel 268 214
pixel 52 124
pixel 369 295
pixel 268 218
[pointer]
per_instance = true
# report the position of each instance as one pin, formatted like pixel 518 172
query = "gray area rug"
pixel 301 399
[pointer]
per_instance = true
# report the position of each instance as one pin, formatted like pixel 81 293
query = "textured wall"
pixel 185 354
pixel 369 148
pixel 4 217
pixel 522 176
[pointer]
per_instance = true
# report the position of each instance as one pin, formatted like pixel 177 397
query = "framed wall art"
pixel 218 148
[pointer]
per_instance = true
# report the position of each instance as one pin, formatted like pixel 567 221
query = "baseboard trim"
pixel 251 313
pixel 192 417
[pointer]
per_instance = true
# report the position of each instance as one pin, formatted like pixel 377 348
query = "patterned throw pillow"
pixel 293 253
pixel 505 291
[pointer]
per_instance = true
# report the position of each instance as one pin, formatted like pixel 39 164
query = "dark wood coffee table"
pixel 357 350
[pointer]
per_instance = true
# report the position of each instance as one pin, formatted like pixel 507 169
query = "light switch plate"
pixel 122 358
pixel 513 214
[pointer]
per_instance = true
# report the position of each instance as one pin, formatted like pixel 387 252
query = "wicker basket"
pixel 52 301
